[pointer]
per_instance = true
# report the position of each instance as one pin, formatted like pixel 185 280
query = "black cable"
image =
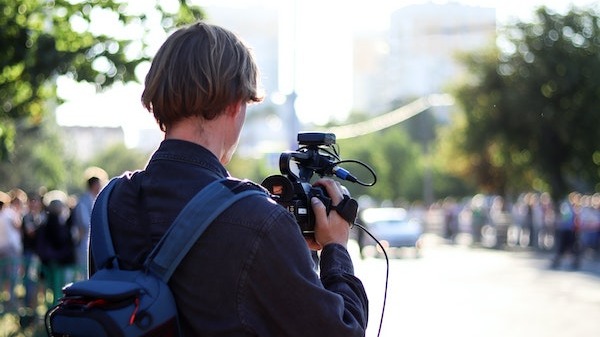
pixel 333 151
pixel 387 272
pixel 363 165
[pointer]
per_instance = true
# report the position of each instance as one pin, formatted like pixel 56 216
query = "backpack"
pixel 124 303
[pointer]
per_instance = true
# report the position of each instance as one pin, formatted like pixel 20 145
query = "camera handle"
pixel 347 209
pixel 309 161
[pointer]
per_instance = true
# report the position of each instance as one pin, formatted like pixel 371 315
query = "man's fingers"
pixel 318 207
pixel 333 189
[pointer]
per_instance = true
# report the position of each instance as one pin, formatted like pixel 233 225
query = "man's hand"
pixel 330 228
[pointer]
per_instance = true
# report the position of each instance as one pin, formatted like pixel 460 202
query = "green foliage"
pixel 38 159
pixel 118 158
pixel 187 14
pixel 251 168
pixel 395 159
pixel 530 108
pixel 422 128
pixel 41 40
pixel 406 159
pixel 451 161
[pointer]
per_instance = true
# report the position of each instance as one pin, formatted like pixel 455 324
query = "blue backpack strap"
pixel 191 222
pixel 101 246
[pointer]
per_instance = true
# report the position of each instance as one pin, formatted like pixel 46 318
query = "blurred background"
pixel 480 119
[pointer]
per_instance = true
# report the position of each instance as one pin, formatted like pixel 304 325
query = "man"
pixel 81 224
pixel 567 230
pixel 251 272
pixel 34 219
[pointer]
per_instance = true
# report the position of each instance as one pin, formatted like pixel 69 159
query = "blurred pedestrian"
pixel 33 220
pixel 528 220
pixel 81 219
pixel 11 246
pixel 55 247
pixel 546 237
pixel 590 222
pixel 479 217
pixel 451 210
pixel 567 230
pixel 596 211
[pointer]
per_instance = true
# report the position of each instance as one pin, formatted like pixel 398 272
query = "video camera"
pixel 316 154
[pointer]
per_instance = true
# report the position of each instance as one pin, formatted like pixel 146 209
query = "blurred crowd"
pixel 44 235
pixel 570 226
pixel 43 245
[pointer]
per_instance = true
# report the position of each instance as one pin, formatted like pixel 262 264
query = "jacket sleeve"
pixel 337 275
pixel 282 295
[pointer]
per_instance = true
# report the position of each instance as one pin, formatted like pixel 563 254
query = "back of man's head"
pixel 199 71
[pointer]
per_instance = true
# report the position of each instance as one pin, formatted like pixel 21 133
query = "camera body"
pixel 294 191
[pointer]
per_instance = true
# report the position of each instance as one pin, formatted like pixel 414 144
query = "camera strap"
pixel 347 209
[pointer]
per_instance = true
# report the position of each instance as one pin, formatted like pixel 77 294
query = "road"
pixel 457 290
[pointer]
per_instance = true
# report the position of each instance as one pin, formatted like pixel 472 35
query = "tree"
pixel 394 158
pixel 118 158
pixel 531 106
pixel 38 159
pixel 41 40
pixel 251 168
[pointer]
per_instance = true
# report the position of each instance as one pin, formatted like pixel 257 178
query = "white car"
pixel 394 229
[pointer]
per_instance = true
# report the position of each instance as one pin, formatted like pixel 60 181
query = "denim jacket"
pixel 250 273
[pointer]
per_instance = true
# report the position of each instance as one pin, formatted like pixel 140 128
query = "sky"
pixel 121 105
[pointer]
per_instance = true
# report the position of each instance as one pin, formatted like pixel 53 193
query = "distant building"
pixel 259 27
pixel 424 41
pixel 149 139
pixel 371 53
pixel 84 142
pixel 416 57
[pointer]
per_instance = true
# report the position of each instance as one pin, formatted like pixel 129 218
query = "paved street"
pixel 455 290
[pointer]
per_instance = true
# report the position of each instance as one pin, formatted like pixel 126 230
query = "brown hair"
pixel 199 71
